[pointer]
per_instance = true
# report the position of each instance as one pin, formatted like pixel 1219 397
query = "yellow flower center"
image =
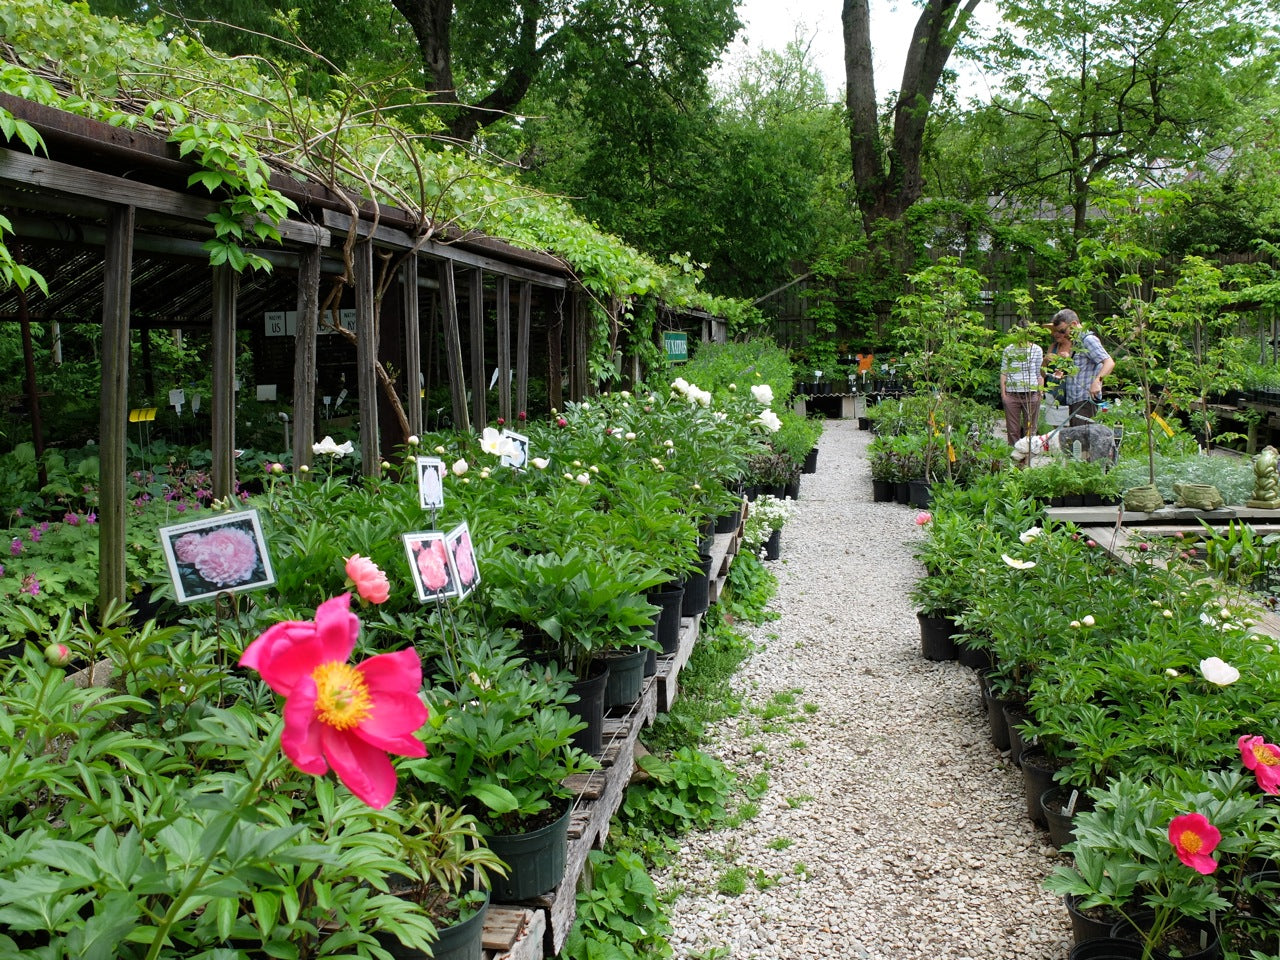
pixel 1190 841
pixel 342 698
pixel 1265 755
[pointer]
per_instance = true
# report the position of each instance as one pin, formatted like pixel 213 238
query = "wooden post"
pixel 555 356
pixel 479 408
pixel 223 414
pixel 366 358
pixel 504 348
pixel 113 421
pixel 33 392
pixel 522 348
pixel 304 357
pixel 412 344
pixel 578 374
pixel 453 346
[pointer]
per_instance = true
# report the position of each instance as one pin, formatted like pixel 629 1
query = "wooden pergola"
pixel 108 219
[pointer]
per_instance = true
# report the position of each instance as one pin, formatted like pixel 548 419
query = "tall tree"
pixel 481 58
pixel 1128 89
pixel 888 176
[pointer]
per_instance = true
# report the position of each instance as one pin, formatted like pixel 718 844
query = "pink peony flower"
pixel 923 517
pixel 337 714
pixel 464 559
pixel 371 583
pixel 226 556
pixel 1263 759
pixel 1193 838
pixel 433 566
pixel 187 547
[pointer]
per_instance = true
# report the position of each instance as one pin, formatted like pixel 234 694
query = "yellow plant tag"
pixel 951 453
pixel 1164 425
pixel 142 414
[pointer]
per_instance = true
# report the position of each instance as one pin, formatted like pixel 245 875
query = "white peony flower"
pixel 459 467
pixel 1088 620
pixel 763 394
pixel 540 462
pixel 1029 534
pixel 413 440
pixel 1218 671
pixel 1017 564
pixel 769 420
pixel 1170 672
pixel 583 478
pixel 630 435
pixel 328 447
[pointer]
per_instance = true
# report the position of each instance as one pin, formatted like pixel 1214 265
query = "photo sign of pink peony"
pixel 433 576
pixel 225 553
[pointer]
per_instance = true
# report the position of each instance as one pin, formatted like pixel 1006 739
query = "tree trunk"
pixel 888 180
pixel 432 21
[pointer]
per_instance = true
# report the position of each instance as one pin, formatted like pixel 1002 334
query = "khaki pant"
pixel 1021 414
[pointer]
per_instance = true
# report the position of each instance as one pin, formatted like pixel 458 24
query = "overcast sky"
pixel 770 24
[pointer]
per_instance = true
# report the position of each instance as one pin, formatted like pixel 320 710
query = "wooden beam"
pixel 401 240
pixel 366 358
pixel 412 345
pixel 113 421
pixel 304 358
pixel 504 348
pixel 223 414
pixel 453 346
pixel 479 411
pixel 23 169
pixel 522 348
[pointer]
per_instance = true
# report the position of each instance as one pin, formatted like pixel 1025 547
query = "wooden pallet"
pixel 514 933
pixel 669 666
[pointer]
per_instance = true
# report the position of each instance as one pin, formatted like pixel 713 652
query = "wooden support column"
pixel 522 348
pixel 578 373
pixel 453 346
pixel 555 356
pixel 113 421
pixel 304 357
pixel 366 358
pixel 504 348
pixel 223 414
pixel 412 345
pixel 479 411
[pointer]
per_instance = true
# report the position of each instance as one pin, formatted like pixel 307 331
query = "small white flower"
pixel 1170 672
pixel 1087 620
pixel 459 467
pixel 439 448
pixel 593 468
pixel 1075 624
pixel 763 394
pixel 668 444
pixel 1026 536
pixel 1017 564
pixel 1167 614
pixel 540 462
pixel 626 394
pixel 583 479
pixel 630 435
pixel 1219 672
pixel 413 440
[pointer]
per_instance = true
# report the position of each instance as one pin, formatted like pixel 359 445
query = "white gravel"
pixel 902 831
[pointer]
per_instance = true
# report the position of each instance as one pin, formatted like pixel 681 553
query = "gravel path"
pixel 892 829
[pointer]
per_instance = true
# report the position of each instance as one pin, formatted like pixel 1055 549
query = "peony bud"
pixel 58 654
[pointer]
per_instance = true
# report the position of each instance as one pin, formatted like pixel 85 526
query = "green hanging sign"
pixel 676 345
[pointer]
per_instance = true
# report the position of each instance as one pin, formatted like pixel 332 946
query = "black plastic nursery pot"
pixel 590 707
pixel 626 676
pixel 667 625
pixel 697 586
pixel 937 637
pixel 536 860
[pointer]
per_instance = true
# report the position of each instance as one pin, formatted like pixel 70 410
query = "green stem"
pixel 248 793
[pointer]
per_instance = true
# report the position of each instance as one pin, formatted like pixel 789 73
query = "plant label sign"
pixel 222 554
pixel 676 346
